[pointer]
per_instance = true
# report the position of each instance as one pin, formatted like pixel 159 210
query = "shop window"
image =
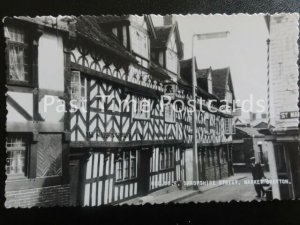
pixel 133 164
pixel 119 170
pixel 18 56
pixel 166 156
pixel 16 148
pixel 162 159
pixel 126 165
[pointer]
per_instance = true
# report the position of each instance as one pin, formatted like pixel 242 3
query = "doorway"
pixel 144 171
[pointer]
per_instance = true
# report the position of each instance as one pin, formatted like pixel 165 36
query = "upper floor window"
pixel 16 148
pixel 217 127
pixel 18 56
pixel 141 108
pixel 207 126
pixel 228 126
pixel 78 90
pixel 170 113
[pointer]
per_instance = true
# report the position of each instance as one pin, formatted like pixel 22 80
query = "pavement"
pixel 227 189
pixel 226 193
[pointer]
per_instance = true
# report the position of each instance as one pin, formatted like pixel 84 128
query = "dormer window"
pixel 115 31
pixel 121 34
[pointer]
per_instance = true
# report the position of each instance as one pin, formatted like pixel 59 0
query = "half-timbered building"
pixel 126 129
pixel 37 143
pixel 214 124
pixel 119 150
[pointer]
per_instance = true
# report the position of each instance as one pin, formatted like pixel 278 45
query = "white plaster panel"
pixel 51 62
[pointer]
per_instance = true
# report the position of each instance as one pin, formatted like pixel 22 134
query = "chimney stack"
pixel 168 20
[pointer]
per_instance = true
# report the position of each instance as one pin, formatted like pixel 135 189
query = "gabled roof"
pixel 88 27
pixel 186 77
pixel 158 71
pixel 203 73
pixel 107 19
pixel 202 76
pixel 163 35
pixel 261 125
pixel 220 77
pixel 186 70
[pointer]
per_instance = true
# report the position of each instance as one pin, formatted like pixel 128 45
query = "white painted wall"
pixel 273 169
pixel 189 164
pixel 51 62
pixel 25 100
pixel 283 68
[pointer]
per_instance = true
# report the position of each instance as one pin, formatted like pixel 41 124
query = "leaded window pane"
pixel 18 55
pixel 16 152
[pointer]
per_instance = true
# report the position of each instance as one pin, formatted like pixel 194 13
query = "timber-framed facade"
pixel 115 151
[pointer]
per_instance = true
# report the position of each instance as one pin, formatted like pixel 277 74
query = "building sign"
pixel 289 115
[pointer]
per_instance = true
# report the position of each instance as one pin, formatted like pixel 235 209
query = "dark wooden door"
pixel 144 171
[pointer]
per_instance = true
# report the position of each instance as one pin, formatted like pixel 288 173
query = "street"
pixel 240 192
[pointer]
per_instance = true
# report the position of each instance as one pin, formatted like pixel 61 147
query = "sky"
pixel 244 50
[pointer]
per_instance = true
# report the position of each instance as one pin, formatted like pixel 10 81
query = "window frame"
pixel 120 171
pixel 166 158
pixel 27 45
pixel 207 126
pixel 26 164
pixel 81 95
pixel 228 126
pixel 171 118
pixel 136 108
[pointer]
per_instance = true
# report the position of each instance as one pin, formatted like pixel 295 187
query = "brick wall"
pixel 41 197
